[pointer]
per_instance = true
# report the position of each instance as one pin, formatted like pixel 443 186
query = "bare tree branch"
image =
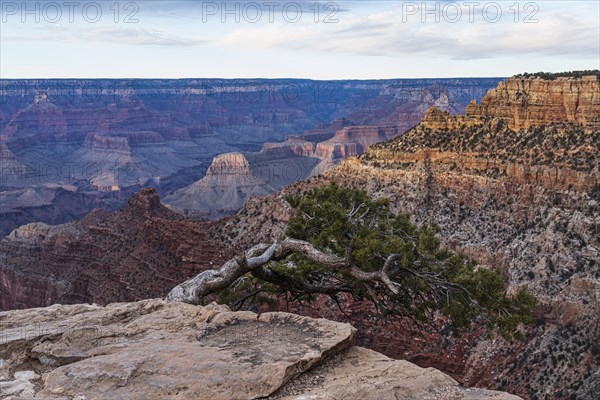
pixel 195 289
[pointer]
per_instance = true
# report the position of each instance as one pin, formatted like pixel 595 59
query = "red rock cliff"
pixel 355 140
pixel 526 103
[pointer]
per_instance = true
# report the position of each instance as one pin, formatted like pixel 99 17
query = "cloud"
pixel 139 36
pixel 187 9
pixel 568 32
pixel 381 30
pixel 118 34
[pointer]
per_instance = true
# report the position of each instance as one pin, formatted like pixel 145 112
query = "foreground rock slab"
pixel 363 374
pixel 156 350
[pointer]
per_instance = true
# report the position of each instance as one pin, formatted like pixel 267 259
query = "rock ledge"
pixel 155 350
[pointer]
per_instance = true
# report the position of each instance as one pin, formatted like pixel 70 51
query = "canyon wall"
pixel 354 141
pixel 142 250
pixel 85 138
pixel 527 102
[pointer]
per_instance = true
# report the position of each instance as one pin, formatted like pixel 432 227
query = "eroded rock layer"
pixel 527 103
pixel 140 251
pixel 65 144
pixel 225 188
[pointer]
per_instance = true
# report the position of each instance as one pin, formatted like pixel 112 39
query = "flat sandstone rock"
pixel 156 350
pixel 363 374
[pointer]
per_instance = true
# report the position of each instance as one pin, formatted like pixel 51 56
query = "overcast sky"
pixel 342 40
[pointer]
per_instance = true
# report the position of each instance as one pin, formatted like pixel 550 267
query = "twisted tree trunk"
pixel 195 289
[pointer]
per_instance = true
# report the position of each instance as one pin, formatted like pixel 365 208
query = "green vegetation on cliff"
pixel 567 145
pixel 552 76
pixel 382 257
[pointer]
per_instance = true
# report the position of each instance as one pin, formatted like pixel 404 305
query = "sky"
pixel 303 39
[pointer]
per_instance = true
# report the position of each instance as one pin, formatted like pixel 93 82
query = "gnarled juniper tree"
pixel 342 241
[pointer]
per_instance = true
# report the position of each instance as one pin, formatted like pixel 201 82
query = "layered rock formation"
pixel 227 185
pixel 123 142
pixel 354 141
pixel 343 138
pixel 534 102
pixel 437 119
pixel 154 350
pixel 82 138
pixel 303 156
pixel 296 146
pixel 40 121
pixel 11 169
pixel 140 251
pixel 234 178
pixel 323 132
pixel 230 164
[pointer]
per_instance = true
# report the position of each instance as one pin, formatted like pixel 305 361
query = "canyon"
pixel 69 146
pixel 508 183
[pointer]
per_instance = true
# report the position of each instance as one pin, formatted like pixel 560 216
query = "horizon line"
pixel 259 78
